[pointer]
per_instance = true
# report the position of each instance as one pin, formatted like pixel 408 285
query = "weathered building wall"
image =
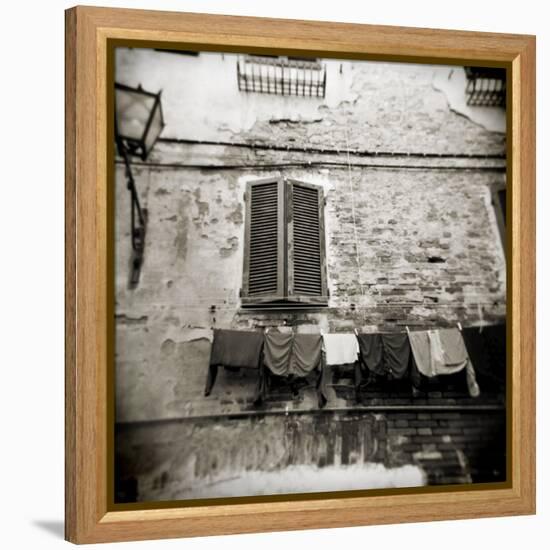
pixel 252 455
pixel 427 254
pixel 411 238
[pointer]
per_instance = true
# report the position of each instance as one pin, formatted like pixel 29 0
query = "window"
pixel 298 76
pixel 284 256
pixel 486 86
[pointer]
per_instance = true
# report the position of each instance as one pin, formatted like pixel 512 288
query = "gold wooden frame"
pixel 89 31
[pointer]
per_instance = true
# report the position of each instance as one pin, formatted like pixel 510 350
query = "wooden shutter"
pixel 264 262
pixel 306 243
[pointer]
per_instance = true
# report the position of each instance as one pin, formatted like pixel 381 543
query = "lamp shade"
pixel 139 119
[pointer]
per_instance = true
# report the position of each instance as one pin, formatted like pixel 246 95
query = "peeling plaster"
pixel 235 216
pixel 452 83
pixel 233 243
pixel 128 320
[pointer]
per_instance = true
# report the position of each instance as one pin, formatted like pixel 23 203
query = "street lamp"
pixel 138 124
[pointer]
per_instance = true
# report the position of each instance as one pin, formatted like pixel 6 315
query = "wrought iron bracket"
pixel 138 217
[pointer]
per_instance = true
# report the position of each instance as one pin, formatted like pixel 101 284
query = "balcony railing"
pixel 281 76
pixel 486 86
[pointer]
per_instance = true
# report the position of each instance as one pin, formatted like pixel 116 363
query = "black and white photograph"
pixel 310 275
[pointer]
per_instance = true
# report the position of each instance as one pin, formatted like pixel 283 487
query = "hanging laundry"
pixel 233 349
pixel 293 355
pixel 397 352
pixel 487 350
pixel 385 354
pixel 277 352
pixel 442 352
pixel 372 352
pixel 340 348
pixel 456 354
pixel 495 339
pixel 306 354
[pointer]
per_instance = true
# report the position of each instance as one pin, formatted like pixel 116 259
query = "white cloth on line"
pixel 340 348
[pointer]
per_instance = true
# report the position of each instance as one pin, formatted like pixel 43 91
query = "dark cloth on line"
pixel 487 350
pixel 385 354
pixel 477 349
pixel 397 351
pixel 372 352
pixel 236 348
pixel 292 356
pixel 495 338
pixel 306 354
pixel 233 349
pixel 288 354
pixel 277 352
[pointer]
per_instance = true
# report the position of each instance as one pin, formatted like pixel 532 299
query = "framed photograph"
pixel 300 274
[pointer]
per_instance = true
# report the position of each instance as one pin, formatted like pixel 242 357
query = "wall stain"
pixel 202 206
pixel 236 215
pixel 182 229
pixel 168 347
pixel 233 245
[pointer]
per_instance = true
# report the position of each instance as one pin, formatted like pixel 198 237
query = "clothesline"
pixel 394 355
pixel 405 329
pixel 428 305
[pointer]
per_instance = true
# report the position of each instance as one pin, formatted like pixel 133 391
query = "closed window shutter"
pixel 264 242
pixel 306 243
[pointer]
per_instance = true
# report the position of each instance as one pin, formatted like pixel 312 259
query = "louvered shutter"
pixel 264 261
pixel 306 243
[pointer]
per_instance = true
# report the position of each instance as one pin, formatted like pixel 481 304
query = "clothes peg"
pixel 407 329
pixel 355 331
pixel 459 326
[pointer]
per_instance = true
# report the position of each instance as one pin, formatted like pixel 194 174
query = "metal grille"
pixel 281 76
pixel 263 268
pixel 486 86
pixel 306 241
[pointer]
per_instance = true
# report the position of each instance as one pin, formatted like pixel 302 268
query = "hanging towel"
pixel 277 352
pixel 287 354
pixel 340 349
pixel 428 353
pixel 297 355
pixel 233 348
pixel 397 352
pixel 420 347
pixel 495 338
pixel 456 357
pixel 487 351
pixel 442 352
pixel 385 354
pixel 372 352
pixel 477 348
pixel 236 348
pixel 306 354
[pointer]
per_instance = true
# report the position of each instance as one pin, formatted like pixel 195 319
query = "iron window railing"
pixel 281 76
pixel 486 86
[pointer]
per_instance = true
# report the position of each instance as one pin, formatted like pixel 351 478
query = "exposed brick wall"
pixel 396 108
pixel 171 460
